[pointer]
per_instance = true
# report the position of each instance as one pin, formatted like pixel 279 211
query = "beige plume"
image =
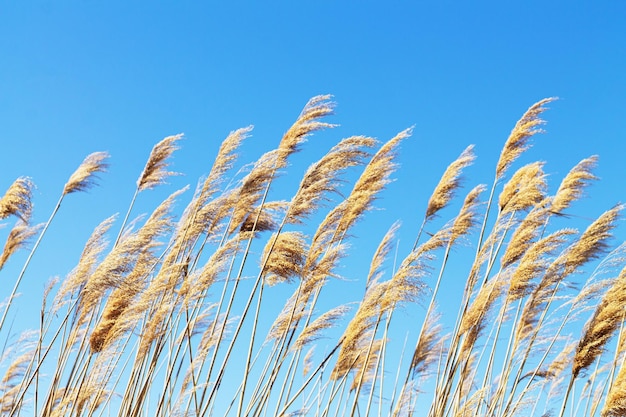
pixel 17 239
pixel 84 177
pixel 17 199
pixel 571 187
pixel 517 141
pixel 605 321
pixel 525 189
pixel 449 182
pixel 155 172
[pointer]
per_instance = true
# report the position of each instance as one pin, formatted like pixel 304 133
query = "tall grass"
pixel 173 317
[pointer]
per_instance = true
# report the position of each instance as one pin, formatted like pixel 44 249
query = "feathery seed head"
pixel 525 189
pixel 517 141
pixel 17 239
pixel 534 262
pixel 605 321
pixel 593 243
pixel 17 200
pixel 284 257
pixel 322 177
pixel 373 179
pixel 307 123
pixel 155 172
pixel 449 183
pixel 85 176
pixel 468 216
pixel 527 231
pixel 571 187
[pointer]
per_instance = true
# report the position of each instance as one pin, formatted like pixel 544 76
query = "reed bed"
pixel 169 314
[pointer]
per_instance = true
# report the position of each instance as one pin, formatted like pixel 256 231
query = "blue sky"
pixel 84 76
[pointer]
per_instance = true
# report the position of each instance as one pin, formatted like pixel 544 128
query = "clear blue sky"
pixel 84 76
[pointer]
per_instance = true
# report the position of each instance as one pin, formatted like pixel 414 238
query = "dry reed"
pixel 156 323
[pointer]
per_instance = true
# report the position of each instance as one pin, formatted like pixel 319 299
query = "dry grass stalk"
pixel 120 312
pixel 307 123
pixel 325 321
pixel 155 172
pixel 17 199
pixel 95 245
pixel 308 361
pixel 358 332
pixel 517 141
pixel 572 186
pixel 85 176
pixel 194 288
pixel 525 234
pixel 252 188
pixel 594 241
pixel 427 351
pixel 602 326
pixel 615 404
pixel 468 216
pixel 224 160
pixel 18 238
pixel 380 256
pixel 475 316
pixel 374 178
pixel 263 218
pixel 168 294
pixel 286 259
pixel 449 183
pixel 369 352
pixel 534 262
pixel 525 189
pixel 323 177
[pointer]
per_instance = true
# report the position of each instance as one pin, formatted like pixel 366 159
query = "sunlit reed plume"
pixel 286 259
pixel 18 238
pixel 602 326
pixel 449 182
pixel 468 216
pixel 85 176
pixel 17 199
pixel 572 186
pixel 322 178
pixel 517 141
pixel 526 188
pixel 155 172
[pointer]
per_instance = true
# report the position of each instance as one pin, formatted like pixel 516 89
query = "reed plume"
pixel 519 137
pixel 525 235
pixel 307 123
pixel 615 404
pixel 322 178
pixel 534 262
pixel 95 246
pixel 602 326
pixel 468 215
pixel 428 346
pixel 85 175
pixel 449 182
pixel 524 190
pixel 16 200
pixel 373 179
pixel 594 241
pixel 285 259
pixel 18 238
pixel 155 172
pixel 573 184
pixel 324 321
